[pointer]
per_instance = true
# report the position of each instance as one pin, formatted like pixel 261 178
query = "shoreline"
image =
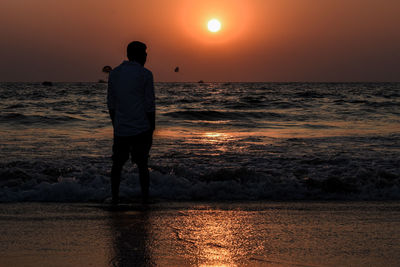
pixel 201 233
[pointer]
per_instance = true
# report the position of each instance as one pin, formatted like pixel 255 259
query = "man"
pixel 131 104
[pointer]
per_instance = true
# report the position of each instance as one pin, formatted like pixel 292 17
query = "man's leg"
pixel 120 156
pixel 144 178
pixel 115 180
pixel 140 155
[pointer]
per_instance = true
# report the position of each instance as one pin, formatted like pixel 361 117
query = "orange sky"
pixel 260 40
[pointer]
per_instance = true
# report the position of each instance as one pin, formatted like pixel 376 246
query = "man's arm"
pixel 112 115
pixel 150 101
pixel 111 98
pixel 151 116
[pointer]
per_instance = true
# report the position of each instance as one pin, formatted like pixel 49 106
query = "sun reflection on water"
pixel 211 238
pixel 212 137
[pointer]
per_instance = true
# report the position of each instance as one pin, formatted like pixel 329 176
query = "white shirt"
pixel 131 94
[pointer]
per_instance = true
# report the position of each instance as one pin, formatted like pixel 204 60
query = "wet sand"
pixel 201 234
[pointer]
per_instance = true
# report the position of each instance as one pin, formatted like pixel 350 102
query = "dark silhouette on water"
pixel 176 69
pixel 132 240
pixel 47 83
pixel 131 104
pixel 106 69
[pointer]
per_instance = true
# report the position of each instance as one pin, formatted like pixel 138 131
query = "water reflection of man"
pixel 131 239
pixel 131 104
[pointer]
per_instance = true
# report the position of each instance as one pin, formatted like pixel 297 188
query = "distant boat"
pixel 101 81
pixel 176 69
pixel 201 81
pixel 47 83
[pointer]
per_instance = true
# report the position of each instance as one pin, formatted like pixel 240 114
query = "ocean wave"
pixel 44 182
pixel 265 104
pixel 257 99
pixel 382 104
pixel 218 115
pixel 18 118
pixel 310 94
pixel 15 106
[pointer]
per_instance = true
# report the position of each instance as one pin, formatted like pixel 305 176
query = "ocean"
pixel 214 142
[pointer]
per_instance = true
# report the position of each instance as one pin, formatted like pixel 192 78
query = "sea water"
pixel 214 141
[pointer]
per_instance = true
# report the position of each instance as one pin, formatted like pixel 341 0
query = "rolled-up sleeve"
pixel 110 93
pixel 150 102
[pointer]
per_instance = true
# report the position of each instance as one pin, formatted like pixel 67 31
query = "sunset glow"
pixel 274 40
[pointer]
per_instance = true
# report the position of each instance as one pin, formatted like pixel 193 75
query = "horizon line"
pixel 211 81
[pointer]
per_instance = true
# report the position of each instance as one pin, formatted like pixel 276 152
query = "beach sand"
pixel 201 234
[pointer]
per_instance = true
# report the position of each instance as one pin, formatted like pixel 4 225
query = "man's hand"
pixel 151 116
pixel 112 115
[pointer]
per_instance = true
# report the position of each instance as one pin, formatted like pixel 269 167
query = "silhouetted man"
pixel 131 103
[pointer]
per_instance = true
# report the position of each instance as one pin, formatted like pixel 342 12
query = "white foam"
pixel 84 181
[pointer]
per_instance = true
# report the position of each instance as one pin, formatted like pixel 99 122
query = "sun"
pixel 214 25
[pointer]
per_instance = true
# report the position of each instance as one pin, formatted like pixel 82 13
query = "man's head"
pixel 136 51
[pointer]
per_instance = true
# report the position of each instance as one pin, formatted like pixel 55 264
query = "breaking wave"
pixel 40 181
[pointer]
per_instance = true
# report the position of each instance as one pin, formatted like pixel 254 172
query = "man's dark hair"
pixel 136 51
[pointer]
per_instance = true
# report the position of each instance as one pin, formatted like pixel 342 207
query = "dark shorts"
pixel 138 146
